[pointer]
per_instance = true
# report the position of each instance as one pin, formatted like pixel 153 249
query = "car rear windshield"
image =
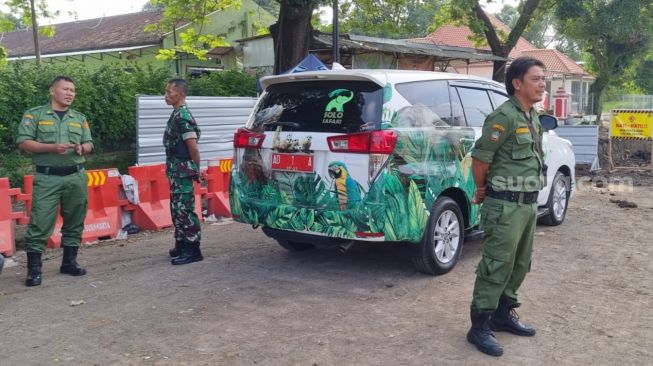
pixel 320 106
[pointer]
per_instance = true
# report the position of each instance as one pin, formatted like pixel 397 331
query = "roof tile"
pixel 94 34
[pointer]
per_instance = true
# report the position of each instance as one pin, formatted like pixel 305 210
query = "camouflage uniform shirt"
pixel 180 127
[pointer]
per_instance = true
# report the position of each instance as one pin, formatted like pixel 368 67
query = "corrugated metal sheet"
pixel 585 140
pixel 218 118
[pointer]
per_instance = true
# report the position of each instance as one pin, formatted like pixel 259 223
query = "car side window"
pixel 433 94
pixel 457 114
pixel 498 98
pixel 476 104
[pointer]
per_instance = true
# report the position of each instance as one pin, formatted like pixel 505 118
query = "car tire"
pixel 443 240
pixel 295 246
pixel 557 202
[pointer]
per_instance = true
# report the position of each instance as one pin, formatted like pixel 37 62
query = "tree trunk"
pixel 499 70
pixel 596 90
pixel 35 33
pixel 503 48
pixel 291 34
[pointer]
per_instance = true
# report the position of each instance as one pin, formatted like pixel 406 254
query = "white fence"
pixel 217 117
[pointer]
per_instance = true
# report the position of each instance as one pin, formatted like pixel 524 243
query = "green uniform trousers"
pixel 182 209
pixel 509 229
pixel 51 191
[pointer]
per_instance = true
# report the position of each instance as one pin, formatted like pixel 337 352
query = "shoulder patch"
pixel 499 127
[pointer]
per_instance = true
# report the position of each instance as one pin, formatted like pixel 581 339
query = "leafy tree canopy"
pixel 471 14
pixel 178 12
pixel 387 18
pixel 615 33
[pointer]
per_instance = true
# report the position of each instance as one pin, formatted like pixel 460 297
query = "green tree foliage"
pixel 615 33
pixel 541 30
pixel 228 83
pixel 148 6
pixel 470 13
pixel 29 12
pixel 644 76
pixel 387 18
pixel 106 96
pixel 193 41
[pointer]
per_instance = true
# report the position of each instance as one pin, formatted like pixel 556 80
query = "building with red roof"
pixel 561 71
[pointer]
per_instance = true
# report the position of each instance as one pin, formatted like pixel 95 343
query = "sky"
pixel 89 9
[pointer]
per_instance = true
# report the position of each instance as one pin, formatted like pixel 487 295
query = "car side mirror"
pixel 548 122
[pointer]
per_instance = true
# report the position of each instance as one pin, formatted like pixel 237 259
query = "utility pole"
pixel 336 47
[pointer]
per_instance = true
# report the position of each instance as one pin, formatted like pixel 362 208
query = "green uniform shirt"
pixel 42 124
pixel 181 126
pixel 507 144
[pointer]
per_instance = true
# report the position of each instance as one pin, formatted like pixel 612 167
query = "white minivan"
pixel 332 157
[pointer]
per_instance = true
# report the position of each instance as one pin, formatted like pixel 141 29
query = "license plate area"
pixel 293 163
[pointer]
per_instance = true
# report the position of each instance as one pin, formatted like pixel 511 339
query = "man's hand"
pixel 79 149
pixel 62 148
pixel 479 195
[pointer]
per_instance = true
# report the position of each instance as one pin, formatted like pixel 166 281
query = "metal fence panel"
pixel 585 139
pixel 217 117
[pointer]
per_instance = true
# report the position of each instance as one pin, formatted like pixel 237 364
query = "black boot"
pixel 505 318
pixel 176 251
pixel 190 252
pixel 33 269
pixel 480 334
pixel 69 263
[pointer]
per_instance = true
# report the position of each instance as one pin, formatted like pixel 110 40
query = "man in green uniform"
pixel 182 168
pixel 508 170
pixel 58 137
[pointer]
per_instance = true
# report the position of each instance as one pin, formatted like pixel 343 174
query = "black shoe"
pixel 505 319
pixel 190 252
pixel 69 263
pixel 480 334
pixel 33 269
pixel 176 251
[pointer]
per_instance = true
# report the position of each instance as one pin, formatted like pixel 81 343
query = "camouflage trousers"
pixel 182 210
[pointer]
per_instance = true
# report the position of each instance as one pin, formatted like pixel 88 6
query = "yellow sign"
pixel 96 178
pixel 225 165
pixel 632 124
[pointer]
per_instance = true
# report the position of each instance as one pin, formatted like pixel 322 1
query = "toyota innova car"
pixel 335 157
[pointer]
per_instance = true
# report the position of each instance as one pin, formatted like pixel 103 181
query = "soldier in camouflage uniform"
pixel 57 137
pixel 509 171
pixel 182 168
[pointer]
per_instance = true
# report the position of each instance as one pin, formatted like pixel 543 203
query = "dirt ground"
pixel 252 303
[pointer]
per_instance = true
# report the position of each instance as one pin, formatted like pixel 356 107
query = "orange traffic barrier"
pixel 153 210
pixel 103 216
pixel 7 244
pixel 8 217
pixel 217 188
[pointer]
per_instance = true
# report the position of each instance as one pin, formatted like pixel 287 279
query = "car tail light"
pixel 378 144
pixel 248 139
pixel 375 142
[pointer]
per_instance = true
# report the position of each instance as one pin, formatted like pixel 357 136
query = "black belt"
pixel 526 197
pixel 59 170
